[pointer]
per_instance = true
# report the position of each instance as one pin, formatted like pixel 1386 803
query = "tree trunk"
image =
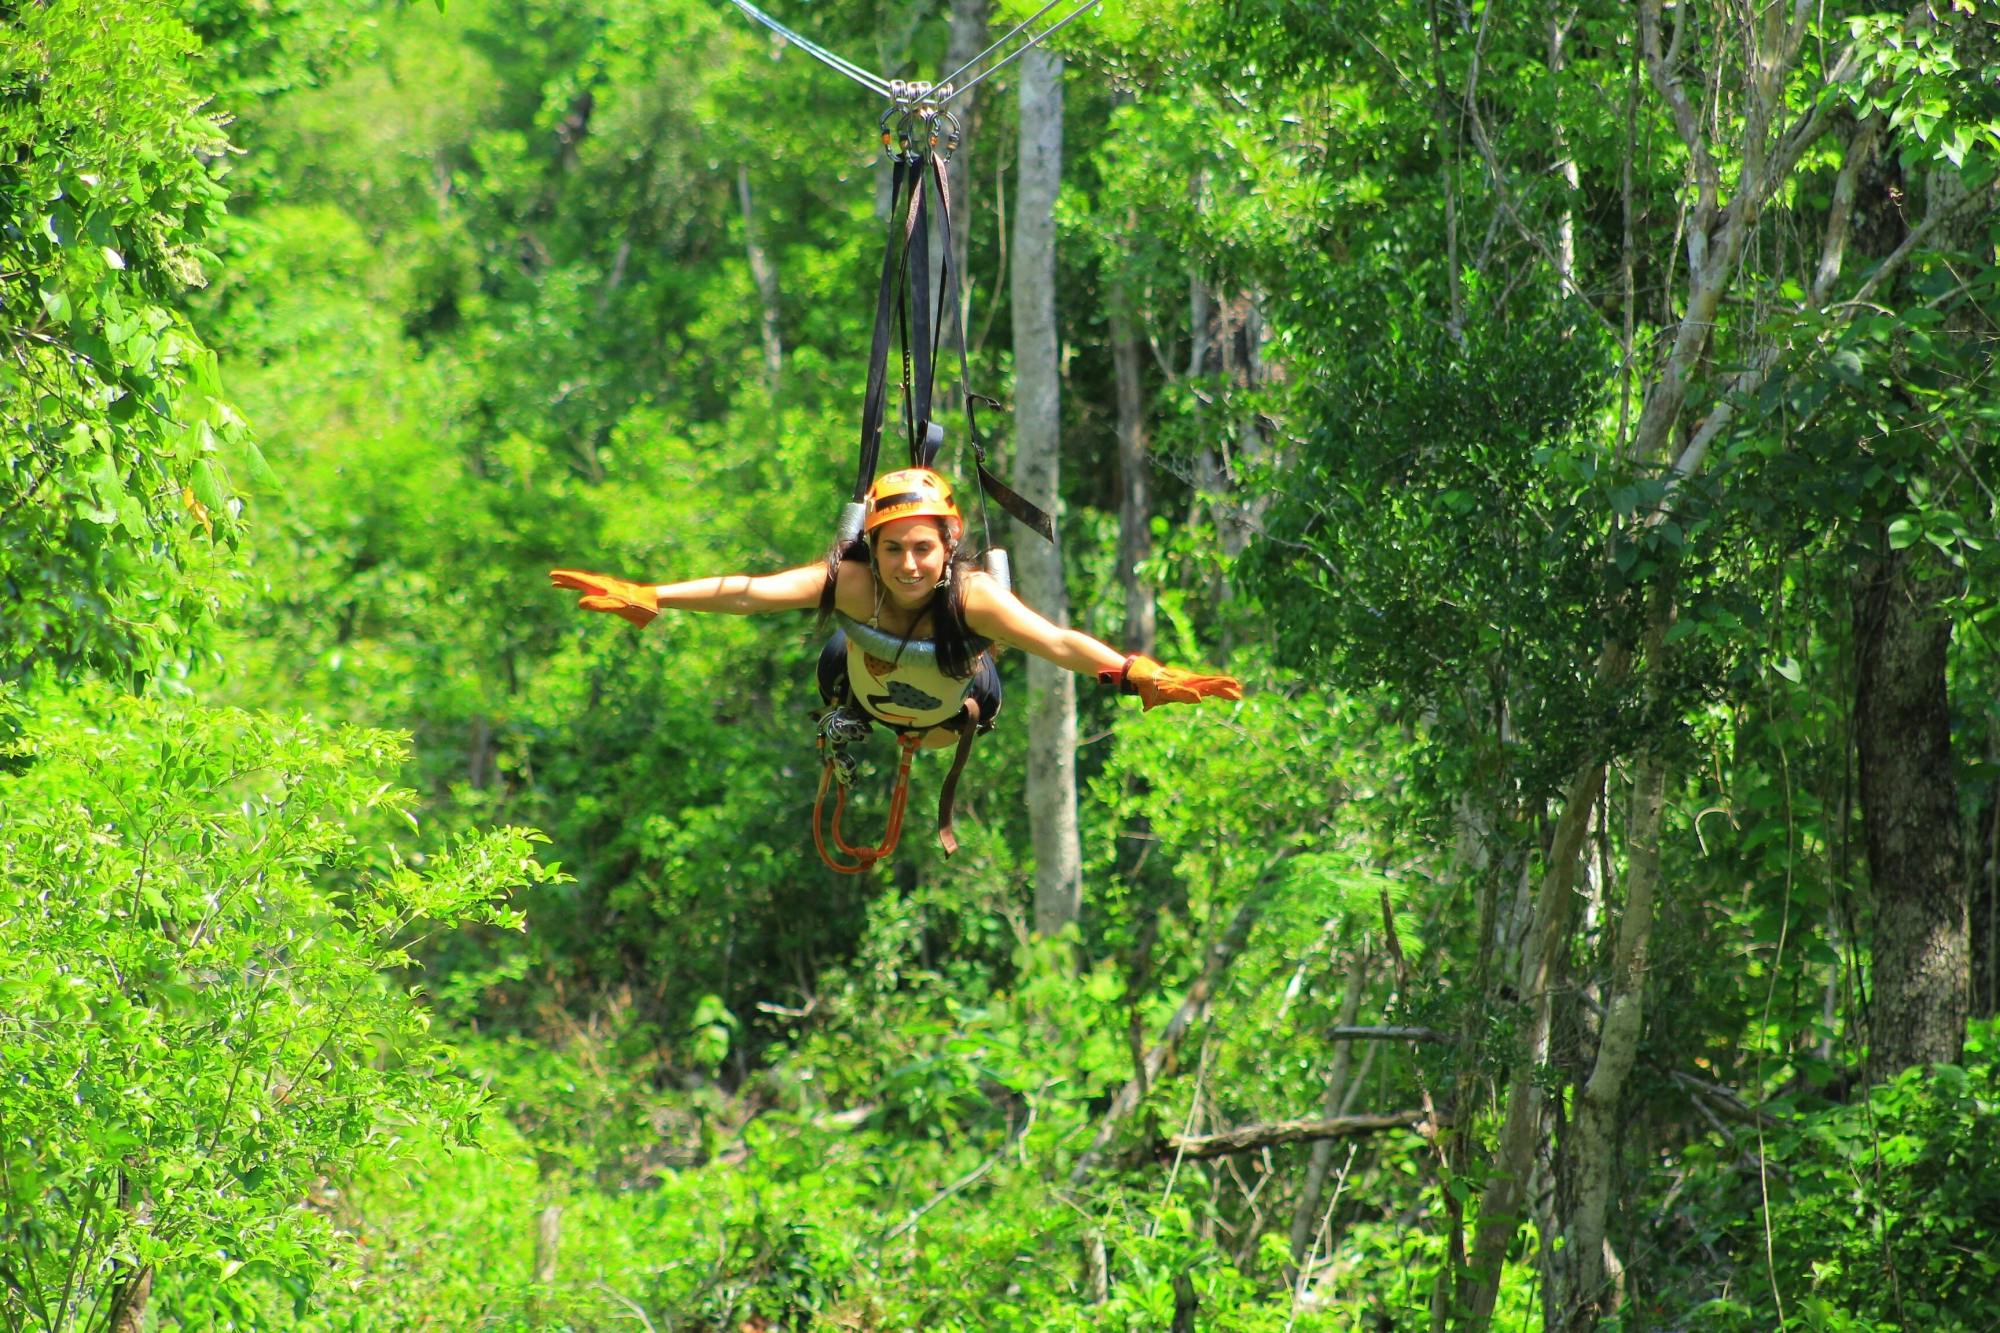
pixel 1305 1216
pixel 1201 313
pixel 1544 955
pixel 548 1242
pixel 1037 472
pixel 1565 161
pixel 1983 874
pixel 1243 514
pixel 1185 1304
pixel 1586 1279
pixel 1135 501
pixel 968 38
pixel 1909 804
pixel 765 275
pixel 131 1288
pixel 128 1302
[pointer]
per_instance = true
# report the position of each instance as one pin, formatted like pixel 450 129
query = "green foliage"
pixel 206 1014
pixel 1934 81
pixel 112 477
pixel 1879 1212
pixel 487 297
pixel 259 49
pixel 1442 537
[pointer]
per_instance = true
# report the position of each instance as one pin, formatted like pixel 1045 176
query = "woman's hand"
pixel 1156 684
pixel 636 602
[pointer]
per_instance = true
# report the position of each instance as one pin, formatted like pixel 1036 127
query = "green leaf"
pixel 132 517
pixel 1789 669
pixel 254 462
pixel 1903 532
pixel 60 225
pixel 208 486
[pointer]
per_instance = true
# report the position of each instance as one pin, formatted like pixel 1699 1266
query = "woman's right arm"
pixel 746 594
pixel 733 594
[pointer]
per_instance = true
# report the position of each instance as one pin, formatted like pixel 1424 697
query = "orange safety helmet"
pixel 913 492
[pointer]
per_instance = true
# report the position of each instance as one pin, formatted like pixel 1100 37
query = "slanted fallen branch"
pixel 1251 1138
pixel 1727 1101
pixel 1352 1032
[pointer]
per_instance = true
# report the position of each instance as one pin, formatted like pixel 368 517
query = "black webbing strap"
pixel 933 436
pixel 903 298
pixel 875 399
pixel 968 731
pixel 917 341
pixel 1023 509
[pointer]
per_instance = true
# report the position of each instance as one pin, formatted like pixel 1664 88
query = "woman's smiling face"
pixel 910 559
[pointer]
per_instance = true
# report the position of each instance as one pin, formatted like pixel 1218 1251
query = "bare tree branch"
pixel 1667 81
pixel 1730 1101
pixel 1345 1032
pixel 1752 377
pixel 1251 1138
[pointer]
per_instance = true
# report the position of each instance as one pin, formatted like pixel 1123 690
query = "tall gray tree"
pixel 1135 502
pixel 1037 472
pixel 969 34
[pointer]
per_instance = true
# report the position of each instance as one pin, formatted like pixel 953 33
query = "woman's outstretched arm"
pixel 998 614
pixel 733 594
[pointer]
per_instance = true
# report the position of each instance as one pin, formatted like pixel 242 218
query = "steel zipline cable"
pixel 875 83
pixel 960 90
pixel 1012 33
pixel 932 97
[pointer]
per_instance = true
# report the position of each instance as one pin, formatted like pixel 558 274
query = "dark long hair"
pixel 958 648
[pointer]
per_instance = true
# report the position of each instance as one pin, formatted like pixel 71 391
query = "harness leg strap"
pixel 968 730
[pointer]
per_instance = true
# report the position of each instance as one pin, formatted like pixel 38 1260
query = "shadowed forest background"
pixel 1575 426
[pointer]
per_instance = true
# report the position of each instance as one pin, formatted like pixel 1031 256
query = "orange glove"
pixel 1156 684
pixel 634 601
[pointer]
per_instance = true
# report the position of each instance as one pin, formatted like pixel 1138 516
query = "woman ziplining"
pixel 917 623
pixel 918 613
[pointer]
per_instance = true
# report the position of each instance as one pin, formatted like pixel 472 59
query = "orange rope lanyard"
pixel 864 857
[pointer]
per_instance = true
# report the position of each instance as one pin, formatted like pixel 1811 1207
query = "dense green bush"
pixel 1882 1212
pixel 204 917
pixel 112 484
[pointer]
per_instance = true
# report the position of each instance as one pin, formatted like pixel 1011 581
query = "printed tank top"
pixel 899 682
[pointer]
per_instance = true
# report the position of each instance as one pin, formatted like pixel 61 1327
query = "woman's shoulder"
pixel 985 590
pixel 985 600
pixel 854 588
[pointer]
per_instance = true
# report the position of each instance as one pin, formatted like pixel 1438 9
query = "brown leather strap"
pixel 968 730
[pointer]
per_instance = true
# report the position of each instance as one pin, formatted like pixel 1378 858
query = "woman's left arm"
pixel 997 614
